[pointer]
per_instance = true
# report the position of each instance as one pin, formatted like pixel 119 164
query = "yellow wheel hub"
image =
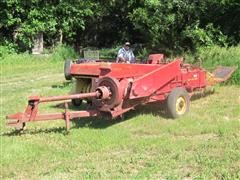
pixel 181 105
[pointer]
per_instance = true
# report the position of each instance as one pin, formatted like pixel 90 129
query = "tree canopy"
pixel 159 24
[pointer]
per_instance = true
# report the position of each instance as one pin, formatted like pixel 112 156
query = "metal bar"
pixel 66 97
pixel 52 116
pixel 15 118
pixel 67 116
pixel 87 113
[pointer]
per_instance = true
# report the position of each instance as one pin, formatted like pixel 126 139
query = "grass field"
pixel 204 144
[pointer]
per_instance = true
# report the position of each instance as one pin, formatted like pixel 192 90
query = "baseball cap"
pixel 127 44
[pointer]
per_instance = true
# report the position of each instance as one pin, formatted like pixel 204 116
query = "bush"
pixel 207 36
pixel 214 56
pixel 109 53
pixel 5 50
pixel 63 52
pixel 60 53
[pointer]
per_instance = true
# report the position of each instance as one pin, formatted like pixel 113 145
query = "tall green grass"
pixel 214 56
pixel 63 52
pixel 59 53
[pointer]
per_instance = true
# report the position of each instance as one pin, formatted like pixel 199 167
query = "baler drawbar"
pixel 112 89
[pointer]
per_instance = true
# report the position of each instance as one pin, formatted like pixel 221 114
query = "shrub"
pixel 63 52
pixel 60 53
pixel 7 49
pixel 109 53
pixel 214 56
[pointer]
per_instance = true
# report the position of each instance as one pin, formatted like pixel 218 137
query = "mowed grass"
pixel 203 144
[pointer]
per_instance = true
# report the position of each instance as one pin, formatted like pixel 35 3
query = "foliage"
pixel 59 53
pixel 161 25
pixel 26 19
pixel 7 49
pixel 142 55
pixel 218 56
pixel 63 52
pixel 213 56
pixel 180 25
pixel 205 37
pixel 109 53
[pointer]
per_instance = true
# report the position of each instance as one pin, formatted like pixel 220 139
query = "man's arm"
pixel 120 57
pixel 133 59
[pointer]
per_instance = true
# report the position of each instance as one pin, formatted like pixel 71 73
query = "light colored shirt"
pixel 126 54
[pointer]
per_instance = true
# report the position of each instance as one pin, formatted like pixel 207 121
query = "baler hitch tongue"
pixel 220 74
pixel 19 119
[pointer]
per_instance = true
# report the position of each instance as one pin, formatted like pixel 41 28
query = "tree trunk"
pixel 38 44
pixel 60 36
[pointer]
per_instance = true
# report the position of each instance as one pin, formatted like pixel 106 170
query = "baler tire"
pixel 76 102
pixel 67 68
pixel 178 102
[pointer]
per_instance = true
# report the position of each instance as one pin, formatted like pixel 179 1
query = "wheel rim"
pixel 181 105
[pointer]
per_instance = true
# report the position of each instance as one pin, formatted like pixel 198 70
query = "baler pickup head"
pixel 220 74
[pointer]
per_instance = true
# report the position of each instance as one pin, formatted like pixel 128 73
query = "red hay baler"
pixel 112 89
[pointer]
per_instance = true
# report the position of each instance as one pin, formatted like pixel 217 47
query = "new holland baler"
pixel 113 89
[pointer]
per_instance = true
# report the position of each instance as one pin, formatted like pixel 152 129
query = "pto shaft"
pixel 101 92
pixel 66 97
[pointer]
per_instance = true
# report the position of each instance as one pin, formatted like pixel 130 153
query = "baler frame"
pixel 118 88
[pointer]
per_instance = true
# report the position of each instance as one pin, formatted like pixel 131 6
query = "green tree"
pixel 28 18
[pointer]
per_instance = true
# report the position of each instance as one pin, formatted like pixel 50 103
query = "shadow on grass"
pixel 201 96
pixel 155 109
pixel 36 131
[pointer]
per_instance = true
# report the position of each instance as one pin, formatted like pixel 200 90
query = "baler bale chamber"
pixel 115 88
pixel 81 85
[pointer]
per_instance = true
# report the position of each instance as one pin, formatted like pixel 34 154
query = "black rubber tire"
pixel 172 102
pixel 76 102
pixel 67 68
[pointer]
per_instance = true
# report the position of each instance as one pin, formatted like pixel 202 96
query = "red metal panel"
pixel 85 69
pixel 193 78
pixel 155 58
pixel 116 70
pixel 147 84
